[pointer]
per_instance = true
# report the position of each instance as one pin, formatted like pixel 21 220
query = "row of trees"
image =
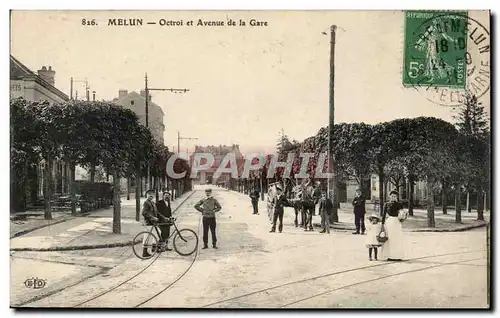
pixel 447 157
pixel 88 134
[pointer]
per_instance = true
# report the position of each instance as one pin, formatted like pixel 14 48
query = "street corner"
pixel 33 280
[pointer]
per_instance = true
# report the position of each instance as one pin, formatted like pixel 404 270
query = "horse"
pixel 306 196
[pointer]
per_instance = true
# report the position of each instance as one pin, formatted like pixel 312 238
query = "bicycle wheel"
pixel 185 242
pixel 145 245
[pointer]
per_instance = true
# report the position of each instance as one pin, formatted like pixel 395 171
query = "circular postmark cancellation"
pixel 447 56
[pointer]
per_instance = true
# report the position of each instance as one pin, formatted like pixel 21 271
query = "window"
pixel 131 102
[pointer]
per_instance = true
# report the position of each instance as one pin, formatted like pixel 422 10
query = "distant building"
pixel 137 103
pixel 219 152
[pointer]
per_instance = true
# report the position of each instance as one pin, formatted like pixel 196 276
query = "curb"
pixel 90 246
pixel 23 232
pixel 430 230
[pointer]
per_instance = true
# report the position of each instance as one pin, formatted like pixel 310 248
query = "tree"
pixel 472 122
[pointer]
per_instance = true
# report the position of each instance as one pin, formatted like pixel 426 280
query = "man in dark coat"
pixel 164 209
pixel 359 212
pixel 325 210
pixel 279 202
pixel 254 196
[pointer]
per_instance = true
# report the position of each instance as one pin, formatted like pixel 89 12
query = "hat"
pixel 208 190
pixel 374 216
pixel 394 192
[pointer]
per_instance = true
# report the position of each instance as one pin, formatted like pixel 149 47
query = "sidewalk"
pixel 415 223
pixel 88 232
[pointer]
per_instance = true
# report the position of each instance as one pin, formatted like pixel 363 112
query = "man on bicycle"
pixel 208 207
pixel 151 215
pixel 164 210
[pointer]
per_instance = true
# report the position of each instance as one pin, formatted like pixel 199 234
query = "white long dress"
pixel 393 248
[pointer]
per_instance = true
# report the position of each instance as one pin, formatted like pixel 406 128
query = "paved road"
pixel 255 268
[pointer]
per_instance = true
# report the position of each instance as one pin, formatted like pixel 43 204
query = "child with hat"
pixel 372 230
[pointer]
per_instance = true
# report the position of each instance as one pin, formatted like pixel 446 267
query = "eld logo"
pixel 35 283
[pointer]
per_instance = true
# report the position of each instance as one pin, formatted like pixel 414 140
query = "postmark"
pixel 447 56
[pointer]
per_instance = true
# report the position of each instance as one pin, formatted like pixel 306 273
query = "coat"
pixel 208 207
pixel 359 205
pixel 279 204
pixel 254 195
pixel 164 208
pixel 149 211
pixel 326 204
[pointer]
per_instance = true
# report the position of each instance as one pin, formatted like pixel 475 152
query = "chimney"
pixel 122 93
pixel 47 75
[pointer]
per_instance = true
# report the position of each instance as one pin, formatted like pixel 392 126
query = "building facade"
pixel 137 103
pixel 206 176
pixel 40 86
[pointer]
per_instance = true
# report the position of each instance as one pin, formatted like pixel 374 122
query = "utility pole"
pixel 332 179
pixel 183 138
pixel 147 89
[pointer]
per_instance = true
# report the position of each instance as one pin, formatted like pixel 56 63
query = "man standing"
pixel 150 214
pixel 359 212
pixel 208 207
pixel 325 210
pixel 164 209
pixel 254 196
pixel 279 202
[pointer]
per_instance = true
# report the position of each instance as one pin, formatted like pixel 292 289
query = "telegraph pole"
pixel 332 179
pixel 147 89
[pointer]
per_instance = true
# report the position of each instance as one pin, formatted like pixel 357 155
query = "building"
pixel 219 152
pixel 137 103
pixel 38 87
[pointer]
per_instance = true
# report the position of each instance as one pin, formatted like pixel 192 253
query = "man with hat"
pixel 359 212
pixel 208 206
pixel 164 209
pixel 279 202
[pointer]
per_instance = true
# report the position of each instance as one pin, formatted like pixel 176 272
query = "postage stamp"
pixel 249 159
pixel 446 56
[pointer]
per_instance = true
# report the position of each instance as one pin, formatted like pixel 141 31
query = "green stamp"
pixel 435 48
pixel 446 56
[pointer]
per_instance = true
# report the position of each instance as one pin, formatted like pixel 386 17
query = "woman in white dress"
pixel 393 215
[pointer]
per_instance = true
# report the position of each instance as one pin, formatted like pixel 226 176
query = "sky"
pixel 247 83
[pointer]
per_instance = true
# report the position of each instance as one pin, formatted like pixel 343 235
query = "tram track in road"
pixel 141 271
pixel 333 274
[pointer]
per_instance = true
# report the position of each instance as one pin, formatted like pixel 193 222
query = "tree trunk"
pixel 157 188
pixel 140 184
pixel 431 221
pixel 92 173
pixel 72 187
pixel 138 194
pixel 469 206
pixel 47 188
pixel 411 185
pixel 458 204
pixel 480 208
pixel 381 188
pixel 444 196
pixel 116 204
pixel 128 188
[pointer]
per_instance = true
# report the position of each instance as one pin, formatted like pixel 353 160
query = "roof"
pixel 19 71
pixel 134 94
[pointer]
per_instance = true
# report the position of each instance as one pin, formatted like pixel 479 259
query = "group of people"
pixel 389 225
pixel 160 214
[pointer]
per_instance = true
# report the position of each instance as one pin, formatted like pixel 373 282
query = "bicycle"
pixel 181 242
